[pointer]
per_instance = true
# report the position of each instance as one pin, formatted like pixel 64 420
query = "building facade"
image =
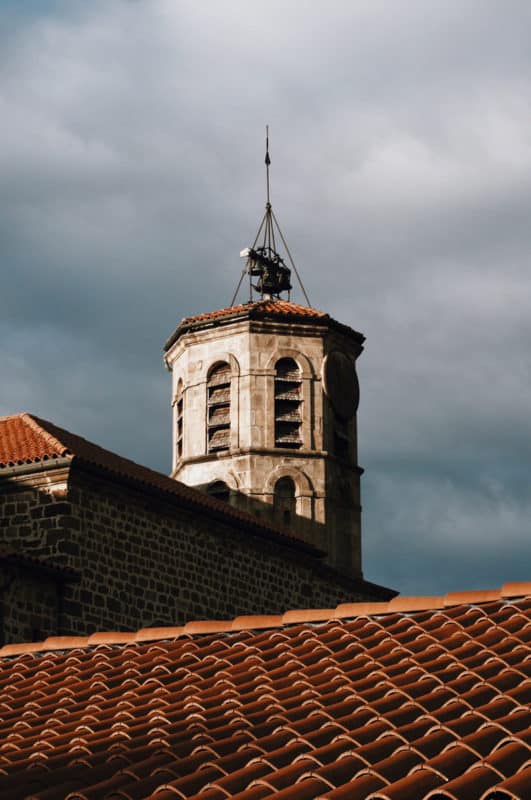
pixel 90 541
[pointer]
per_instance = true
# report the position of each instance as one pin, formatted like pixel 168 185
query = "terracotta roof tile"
pixel 514 788
pixel 276 307
pixel 330 706
pixel 516 589
pixel 360 787
pixel 260 309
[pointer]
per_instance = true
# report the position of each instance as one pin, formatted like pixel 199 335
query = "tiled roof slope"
pixel 261 309
pixel 415 699
pixel 26 439
pixel 278 307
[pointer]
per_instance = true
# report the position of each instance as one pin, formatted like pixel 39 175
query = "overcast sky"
pixel 131 175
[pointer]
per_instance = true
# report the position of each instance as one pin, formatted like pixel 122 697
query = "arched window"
pixel 219 490
pixel 288 404
pixel 284 502
pixel 218 408
pixel 179 421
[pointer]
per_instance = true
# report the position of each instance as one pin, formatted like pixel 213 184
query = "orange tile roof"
pixel 280 308
pixel 260 309
pixel 24 441
pixel 406 700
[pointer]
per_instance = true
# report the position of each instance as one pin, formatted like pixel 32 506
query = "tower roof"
pixel 261 309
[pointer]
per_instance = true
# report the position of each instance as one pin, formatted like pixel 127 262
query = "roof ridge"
pixel 258 309
pixel 262 303
pixel 398 605
pixel 54 442
pixel 6 417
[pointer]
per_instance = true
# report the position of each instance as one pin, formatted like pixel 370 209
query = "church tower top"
pixel 278 309
pixel 264 265
pixel 264 400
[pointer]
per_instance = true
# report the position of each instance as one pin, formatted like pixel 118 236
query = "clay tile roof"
pixel 275 307
pixel 260 309
pixel 24 441
pixel 353 702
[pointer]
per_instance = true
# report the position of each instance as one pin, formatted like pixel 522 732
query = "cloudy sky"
pixel 131 175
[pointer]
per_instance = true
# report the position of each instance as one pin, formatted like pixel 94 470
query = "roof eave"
pixel 255 313
pixel 37 466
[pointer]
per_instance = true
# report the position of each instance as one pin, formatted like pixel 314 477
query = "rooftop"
pixel 423 698
pixel 260 309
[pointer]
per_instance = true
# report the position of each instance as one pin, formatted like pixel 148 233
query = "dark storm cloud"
pixel 131 175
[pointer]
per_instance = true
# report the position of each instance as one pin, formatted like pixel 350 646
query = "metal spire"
pixel 267 163
pixel 263 262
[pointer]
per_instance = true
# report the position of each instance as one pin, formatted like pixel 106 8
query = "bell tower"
pixel 264 397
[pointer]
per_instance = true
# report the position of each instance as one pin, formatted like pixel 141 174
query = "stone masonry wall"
pixel 29 605
pixel 327 486
pixel 144 561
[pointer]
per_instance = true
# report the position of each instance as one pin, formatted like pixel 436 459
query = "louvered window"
pixel 288 404
pixel 218 409
pixel 179 405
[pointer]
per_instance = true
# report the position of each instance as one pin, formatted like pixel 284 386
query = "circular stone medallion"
pixel 340 384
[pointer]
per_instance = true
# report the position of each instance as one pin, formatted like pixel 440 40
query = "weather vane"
pixel 264 264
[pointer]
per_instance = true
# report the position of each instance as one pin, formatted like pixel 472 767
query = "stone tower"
pixel 264 408
pixel 264 401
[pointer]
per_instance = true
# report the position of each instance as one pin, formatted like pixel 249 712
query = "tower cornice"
pixel 274 310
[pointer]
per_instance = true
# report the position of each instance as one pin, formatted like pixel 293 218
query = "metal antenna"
pixel 268 231
pixel 264 262
pixel 267 163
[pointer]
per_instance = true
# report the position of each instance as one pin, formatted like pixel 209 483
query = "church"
pixel 210 634
pixel 261 512
pixel 265 396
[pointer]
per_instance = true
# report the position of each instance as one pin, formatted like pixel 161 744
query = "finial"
pixel 263 262
pixel 267 159
pixel 267 163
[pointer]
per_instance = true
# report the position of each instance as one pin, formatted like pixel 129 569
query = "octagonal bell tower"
pixel 264 401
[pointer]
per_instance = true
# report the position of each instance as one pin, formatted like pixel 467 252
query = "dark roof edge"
pixel 257 313
pixel 44 464
pixel 356 584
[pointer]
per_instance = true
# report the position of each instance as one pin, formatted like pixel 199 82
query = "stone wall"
pixel 144 561
pixel 33 513
pixel 327 487
pixel 29 604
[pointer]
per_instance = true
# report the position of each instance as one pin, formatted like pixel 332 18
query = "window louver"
pixel 218 409
pixel 288 404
